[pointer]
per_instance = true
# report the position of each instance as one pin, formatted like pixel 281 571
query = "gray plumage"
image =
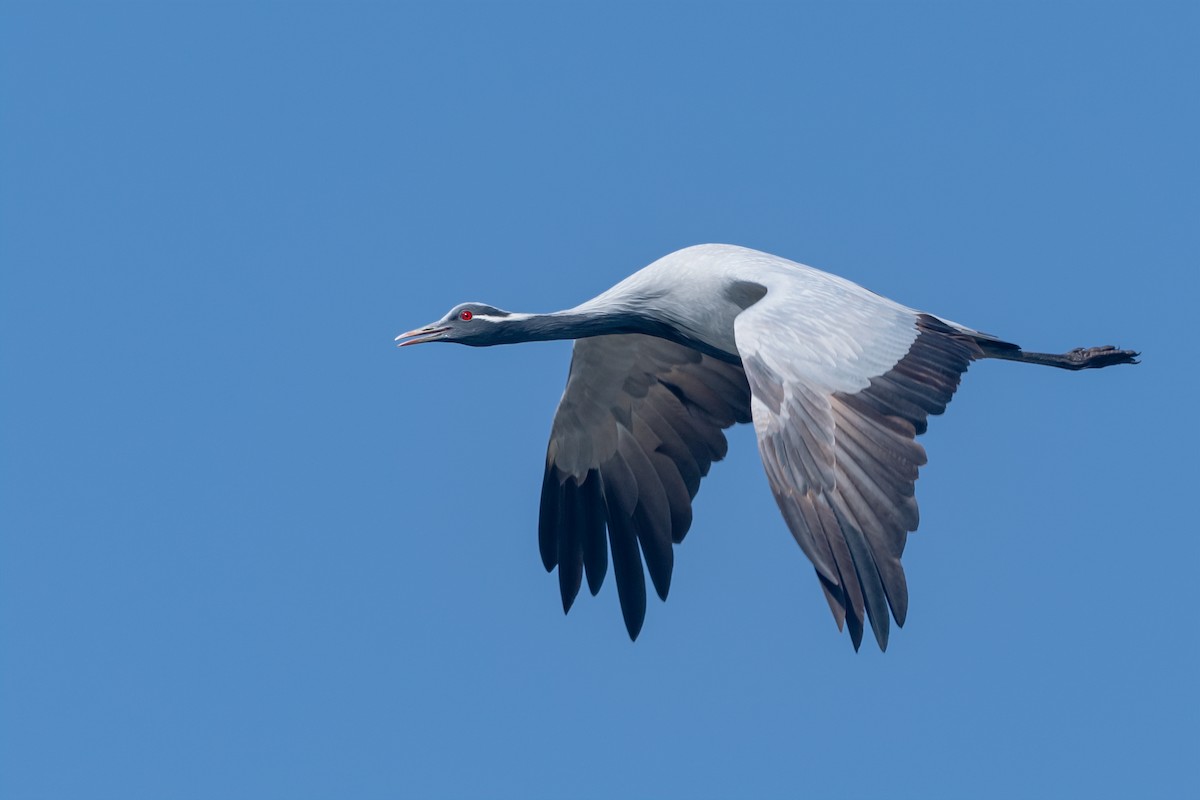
pixel 837 381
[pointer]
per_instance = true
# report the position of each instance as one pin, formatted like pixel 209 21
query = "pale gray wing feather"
pixel 638 427
pixel 842 381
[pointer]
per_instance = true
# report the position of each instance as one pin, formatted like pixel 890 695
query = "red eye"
pixel 465 316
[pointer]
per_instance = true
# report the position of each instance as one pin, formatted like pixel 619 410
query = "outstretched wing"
pixel 842 382
pixel 639 425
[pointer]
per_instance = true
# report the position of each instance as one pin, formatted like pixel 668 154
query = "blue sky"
pixel 250 549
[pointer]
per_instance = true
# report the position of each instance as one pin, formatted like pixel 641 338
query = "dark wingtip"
pixel 634 627
pixel 854 627
pixel 569 594
pixel 662 585
pixel 548 518
pixel 881 627
pixel 595 541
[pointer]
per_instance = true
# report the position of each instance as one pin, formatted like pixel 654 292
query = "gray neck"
pixel 590 320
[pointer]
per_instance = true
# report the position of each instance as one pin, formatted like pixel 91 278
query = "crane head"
pixel 476 324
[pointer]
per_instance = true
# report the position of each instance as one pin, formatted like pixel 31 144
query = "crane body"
pixel 837 380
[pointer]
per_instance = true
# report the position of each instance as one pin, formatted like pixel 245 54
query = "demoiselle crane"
pixel 837 380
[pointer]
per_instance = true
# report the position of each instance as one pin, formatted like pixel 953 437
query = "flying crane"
pixel 837 380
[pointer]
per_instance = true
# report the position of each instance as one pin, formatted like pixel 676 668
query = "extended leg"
pixel 1079 358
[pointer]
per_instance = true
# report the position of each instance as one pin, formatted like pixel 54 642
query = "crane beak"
pixel 421 335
